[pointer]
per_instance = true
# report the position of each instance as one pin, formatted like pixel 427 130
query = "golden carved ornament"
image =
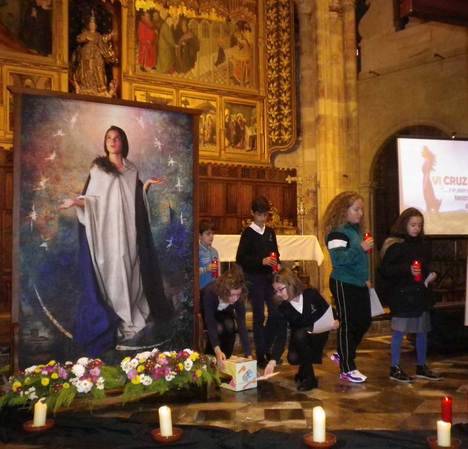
pixel 280 101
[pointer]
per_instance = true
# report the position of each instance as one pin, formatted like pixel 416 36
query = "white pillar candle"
pixel 40 413
pixel 443 433
pixel 165 421
pixel 318 424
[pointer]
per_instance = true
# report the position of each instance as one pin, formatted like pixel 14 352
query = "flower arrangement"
pixel 148 372
pixel 158 372
pixel 61 383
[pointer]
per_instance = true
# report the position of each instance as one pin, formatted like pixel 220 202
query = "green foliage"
pixel 89 379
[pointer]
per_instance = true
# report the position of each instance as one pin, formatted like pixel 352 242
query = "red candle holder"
pixel 417 265
pixel 275 267
pixel 368 236
pixel 215 273
pixel 446 409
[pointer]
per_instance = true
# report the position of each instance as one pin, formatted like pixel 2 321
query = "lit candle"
pixel 318 424
pixel 165 421
pixel 443 433
pixel 40 413
pixel 446 409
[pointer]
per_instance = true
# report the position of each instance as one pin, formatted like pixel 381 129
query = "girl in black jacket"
pixel 301 308
pixel 406 290
pixel 223 307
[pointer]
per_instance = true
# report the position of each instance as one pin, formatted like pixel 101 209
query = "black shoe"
pixel 308 384
pixel 423 372
pixel 396 373
pixel 262 362
pixel 299 376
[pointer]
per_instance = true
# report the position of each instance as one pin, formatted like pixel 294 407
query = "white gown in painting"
pixel 109 218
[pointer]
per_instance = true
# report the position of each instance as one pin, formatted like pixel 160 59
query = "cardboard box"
pixel 243 372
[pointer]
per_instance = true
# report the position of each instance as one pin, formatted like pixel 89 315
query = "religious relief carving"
pixel 280 75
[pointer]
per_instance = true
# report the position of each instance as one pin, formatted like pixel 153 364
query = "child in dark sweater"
pixel 224 314
pixel 258 255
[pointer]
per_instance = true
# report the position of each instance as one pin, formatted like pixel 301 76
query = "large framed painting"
pixel 105 194
pixel 212 42
pixel 26 26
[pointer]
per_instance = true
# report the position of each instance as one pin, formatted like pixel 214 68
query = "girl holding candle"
pixel 406 289
pixel 301 308
pixel 349 279
pixel 224 314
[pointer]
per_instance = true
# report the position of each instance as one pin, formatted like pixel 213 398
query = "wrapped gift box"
pixel 243 372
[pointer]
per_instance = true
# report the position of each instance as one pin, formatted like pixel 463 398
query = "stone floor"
pixel 377 404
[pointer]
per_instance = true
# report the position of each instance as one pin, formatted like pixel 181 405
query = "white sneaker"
pixel 354 376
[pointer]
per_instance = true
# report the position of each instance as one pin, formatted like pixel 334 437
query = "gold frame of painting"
pixel 59 37
pixel 154 95
pixel 207 147
pixel 55 79
pixel 244 141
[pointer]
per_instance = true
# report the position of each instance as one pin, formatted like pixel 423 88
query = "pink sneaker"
pixel 354 376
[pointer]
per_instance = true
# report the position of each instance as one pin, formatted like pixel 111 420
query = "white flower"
pixel 78 370
pixel 146 380
pixel 188 365
pixel 100 383
pixel 31 393
pixel 169 377
pixel 124 364
pixel 188 351
pixel 83 361
pixel 133 363
pixel 30 370
pixel 84 386
pixel 143 356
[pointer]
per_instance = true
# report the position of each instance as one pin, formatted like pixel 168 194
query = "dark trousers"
pixel 227 328
pixel 272 336
pixel 353 308
pixel 305 349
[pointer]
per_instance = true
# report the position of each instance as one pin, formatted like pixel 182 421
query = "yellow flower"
pixel 38 369
pixel 52 363
pixel 180 366
pixel 16 385
pixel 198 373
pixel 66 385
pixel 54 376
pixel 136 380
pixel 140 368
pixel 194 356
pixel 45 381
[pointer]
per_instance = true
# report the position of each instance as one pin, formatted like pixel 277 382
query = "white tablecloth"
pixel 291 247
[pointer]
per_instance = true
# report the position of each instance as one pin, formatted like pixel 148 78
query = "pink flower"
pixel 132 373
pixel 95 372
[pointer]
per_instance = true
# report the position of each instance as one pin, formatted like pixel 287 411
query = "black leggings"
pixel 353 308
pixel 227 328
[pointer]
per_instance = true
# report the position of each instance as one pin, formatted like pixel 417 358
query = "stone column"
pixel 337 139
